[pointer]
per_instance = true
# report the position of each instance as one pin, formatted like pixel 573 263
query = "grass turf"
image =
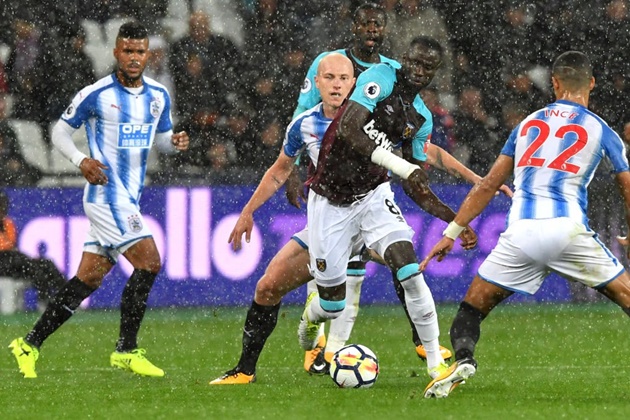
pixel 535 361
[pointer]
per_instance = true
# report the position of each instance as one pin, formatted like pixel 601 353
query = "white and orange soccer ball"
pixel 354 366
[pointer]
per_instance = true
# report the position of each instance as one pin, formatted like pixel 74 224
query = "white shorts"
pixel 374 220
pixel 114 228
pixel 301 238
pixel 530 249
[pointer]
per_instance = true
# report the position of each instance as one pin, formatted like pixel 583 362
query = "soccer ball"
pixel 354 366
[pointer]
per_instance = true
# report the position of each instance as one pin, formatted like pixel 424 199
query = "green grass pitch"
pixel 535 361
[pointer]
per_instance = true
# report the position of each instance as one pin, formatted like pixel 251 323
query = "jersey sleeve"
pixel 293 142
pixel 615 150
pixel 81 108
pixel 165 123
pixel 374 85
pixel 422 138
pixel 509 148
pixel 309 94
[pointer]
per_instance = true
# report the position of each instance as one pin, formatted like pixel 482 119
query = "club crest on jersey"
pixel 321 264
pixel 372 90
pixel 408 130
pixel 134 223
pixel 155 107
pixel 306 86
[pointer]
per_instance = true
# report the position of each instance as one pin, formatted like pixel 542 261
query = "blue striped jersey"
pixel 120 127
pixel 556 151
pixel 306 131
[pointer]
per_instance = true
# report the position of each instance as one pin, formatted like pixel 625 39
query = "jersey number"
pixel 559 163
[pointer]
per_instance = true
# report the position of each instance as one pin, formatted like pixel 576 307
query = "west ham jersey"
pixel 341 172
pixel 120 128
pixel 309 94
pixel 556 151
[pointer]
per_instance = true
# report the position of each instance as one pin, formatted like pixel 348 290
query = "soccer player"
pixel 369 25
pixel 124 114
pixel 351 197
pixel 289 268
pixel 553 154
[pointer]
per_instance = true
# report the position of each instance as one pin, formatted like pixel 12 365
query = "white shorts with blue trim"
pixel 531 249
pixel 374 220
pixel 114 228
pixel 301 238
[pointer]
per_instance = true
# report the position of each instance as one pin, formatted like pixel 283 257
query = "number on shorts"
pixel 393 208
pixel 559 163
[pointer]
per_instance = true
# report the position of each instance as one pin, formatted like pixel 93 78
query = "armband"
pixel 453 230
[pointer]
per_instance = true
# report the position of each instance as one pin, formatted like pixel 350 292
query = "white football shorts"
pixel 114 228
pixel 531 249
pixel 301 238
pixel 374 220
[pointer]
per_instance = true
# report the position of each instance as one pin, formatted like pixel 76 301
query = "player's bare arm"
pixel 294 190
pixel 623 181
pixel 474 203
pixel 354 117
pixel 426 199
pixel 443 160
pixel 271 182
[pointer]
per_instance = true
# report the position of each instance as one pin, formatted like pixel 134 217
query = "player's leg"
pixel 145 259
pixel 341 327
pixel 92 269
pixel 420 350
pixel 331 233
pixel 287 271
pixel 311 356
pixel 480 299
pixel 618 291
pixel 401 259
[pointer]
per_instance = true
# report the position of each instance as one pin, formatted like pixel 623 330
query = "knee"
pixel 267 292
pixel 152 265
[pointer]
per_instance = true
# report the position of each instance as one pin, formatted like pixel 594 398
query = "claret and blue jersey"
pixel 556 151
pixel 120 127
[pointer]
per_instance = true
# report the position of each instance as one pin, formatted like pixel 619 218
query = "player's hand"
pixel 469 238
pixel 180 140
pixel 244 224
pixel 419 180
pixel 441 249
pixel 625 242
pixel 294 190
pixel 92 171
pixel 506 190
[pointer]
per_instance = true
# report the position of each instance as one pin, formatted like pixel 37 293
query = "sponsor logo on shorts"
pixel 321 264
pixel 134 223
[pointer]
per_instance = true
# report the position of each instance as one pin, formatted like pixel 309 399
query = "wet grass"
pixel 535 361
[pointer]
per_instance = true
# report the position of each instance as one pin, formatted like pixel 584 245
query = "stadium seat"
pixel 32 144
pixel 175 29
pixel 12 295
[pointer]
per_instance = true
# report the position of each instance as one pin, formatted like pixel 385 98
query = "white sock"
pixel 341 327
pixel 421 308
pixel 311 286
